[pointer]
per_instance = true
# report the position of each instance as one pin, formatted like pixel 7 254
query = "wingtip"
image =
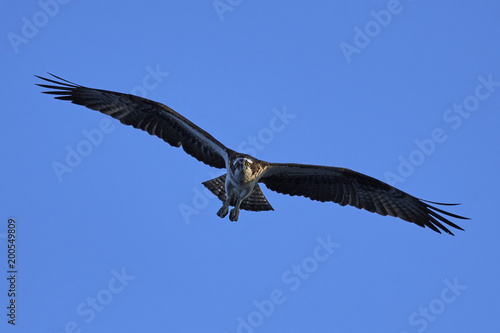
pixel 441 203
pixel 62 83
pixel 41 77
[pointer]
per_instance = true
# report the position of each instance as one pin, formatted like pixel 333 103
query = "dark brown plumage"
pixel 244 172
pixel 347 187
pixel 147 115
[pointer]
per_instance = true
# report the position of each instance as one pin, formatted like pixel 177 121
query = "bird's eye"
pixel 247 163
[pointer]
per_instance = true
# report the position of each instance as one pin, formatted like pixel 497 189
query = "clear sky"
pixel 115 232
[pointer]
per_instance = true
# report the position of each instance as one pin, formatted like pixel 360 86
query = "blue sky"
pixel 124 238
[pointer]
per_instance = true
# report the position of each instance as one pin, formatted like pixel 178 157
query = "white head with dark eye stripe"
pixel 242 163
pixel 242 168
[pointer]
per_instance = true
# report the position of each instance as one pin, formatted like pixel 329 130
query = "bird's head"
pixel 243 163
pixel 243 167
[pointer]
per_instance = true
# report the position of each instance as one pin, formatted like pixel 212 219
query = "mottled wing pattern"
pixel 255 202
pixel 152 117
pixel 347 187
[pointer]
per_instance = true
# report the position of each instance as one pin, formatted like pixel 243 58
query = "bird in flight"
pixel 239 187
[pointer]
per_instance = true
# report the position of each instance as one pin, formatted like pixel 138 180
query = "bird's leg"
pixel 224 209
pixel 235 212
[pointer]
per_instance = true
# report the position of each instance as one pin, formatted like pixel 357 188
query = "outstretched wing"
pixel 347 187
pixel 152 117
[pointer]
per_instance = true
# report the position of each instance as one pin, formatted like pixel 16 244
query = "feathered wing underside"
pixel 347 187
pixel 152 117
pixel 255 202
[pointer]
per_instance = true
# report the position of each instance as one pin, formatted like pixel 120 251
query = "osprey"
pixel 239 187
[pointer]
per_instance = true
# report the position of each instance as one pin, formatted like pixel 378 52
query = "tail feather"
pixel 255 202
pixel 217 186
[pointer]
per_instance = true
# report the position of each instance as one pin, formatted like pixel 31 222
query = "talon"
pixel 222 212
pixel 233 216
